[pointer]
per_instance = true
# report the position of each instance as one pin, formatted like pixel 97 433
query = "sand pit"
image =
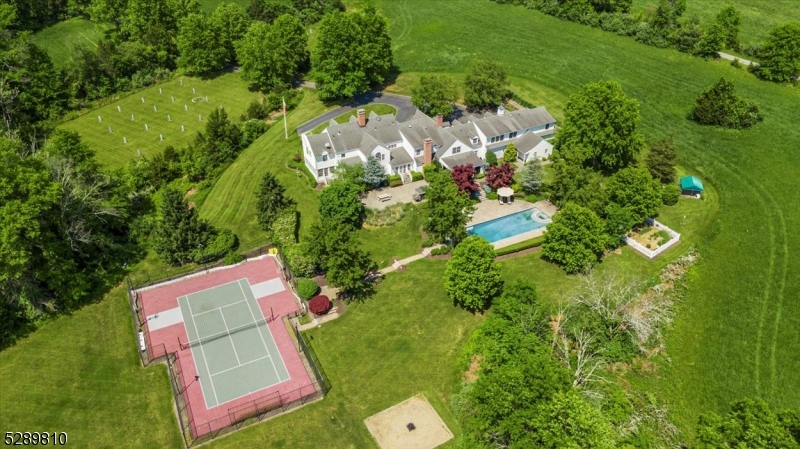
pixel 390 428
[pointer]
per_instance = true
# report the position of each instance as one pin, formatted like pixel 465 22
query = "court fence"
pixel 257 410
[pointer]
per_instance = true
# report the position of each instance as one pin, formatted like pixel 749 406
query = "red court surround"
pixel 163 297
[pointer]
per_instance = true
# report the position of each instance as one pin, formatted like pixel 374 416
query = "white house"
pixel 405 147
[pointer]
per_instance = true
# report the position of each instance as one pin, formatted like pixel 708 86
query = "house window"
pixel 418 151
pixel 475 140
pixel 391 145
pixel 512 135
pixel 319 173
pixel 456 150
pixel 380 156
pixel 547 126
pixel 324 157
pixel 341 155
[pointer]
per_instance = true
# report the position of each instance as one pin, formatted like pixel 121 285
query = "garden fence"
pixel 653 253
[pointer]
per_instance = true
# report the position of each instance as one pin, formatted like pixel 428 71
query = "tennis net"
pixel 210 338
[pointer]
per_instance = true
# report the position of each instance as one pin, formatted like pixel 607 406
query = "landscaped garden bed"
pixel 650 237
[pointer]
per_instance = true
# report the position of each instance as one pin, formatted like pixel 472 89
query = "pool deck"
pixel 488 210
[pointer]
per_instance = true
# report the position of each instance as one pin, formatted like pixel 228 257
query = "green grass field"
pixel 738 331
pixel 758 16
pixel 228 91
pixel 61 39
pixel 400 240
pixel 379 109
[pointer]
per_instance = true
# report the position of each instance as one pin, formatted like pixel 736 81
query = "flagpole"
pixel 285 126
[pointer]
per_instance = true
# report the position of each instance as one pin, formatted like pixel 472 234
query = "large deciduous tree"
pixel 720 106
pixel 485 85
pixel 336 249
pixel 271 200
pixel 500 175
pixel 599 130
pixel 231 22
pixel 575 239
pixel 435 94
pixel 446 208
pixel 199 45
pixel 472 279
pixel 271 55
pixel 662 159
pixel 730 19
pixel 269 10
pixel 634 189
pixel 340 202
pixel 153 23
pixel 353 51
pixel 780 54
pixel 750 423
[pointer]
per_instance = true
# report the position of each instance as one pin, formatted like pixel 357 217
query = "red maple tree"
pixel 500 176
pixel 319 305
pixel 464 176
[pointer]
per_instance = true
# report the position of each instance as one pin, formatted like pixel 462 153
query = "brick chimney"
pixel 439 120
pixel 427 150
pixel 362 118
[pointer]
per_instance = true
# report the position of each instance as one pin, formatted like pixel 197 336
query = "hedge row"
pixel 532 243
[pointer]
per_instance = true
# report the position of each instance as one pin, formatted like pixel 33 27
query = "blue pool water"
pixel 510 225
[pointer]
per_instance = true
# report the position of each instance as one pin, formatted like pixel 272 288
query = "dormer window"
pixel 547 126
pixel 324 157
pixel 475 140
pixel 391 145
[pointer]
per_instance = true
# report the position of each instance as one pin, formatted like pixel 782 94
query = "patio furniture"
pixel 384 196
pixel 418 194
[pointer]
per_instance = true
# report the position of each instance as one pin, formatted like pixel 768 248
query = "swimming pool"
pixel 510 225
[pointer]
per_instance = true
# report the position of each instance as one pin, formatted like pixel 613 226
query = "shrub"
pixel 252 130
pixel 427 243
pixel 299 261
pixel 307 288
pixel 492 196
pixel 319 305
pixel 736 64
pixel 720 106
pixel 480 175
pixel 532 243
pixel 232 258
pixel 223 242
pixel 491 158
pixel 442 250
pixel 427 169
pixel 387 216
pixel 670 194
pixel 416 176
pixel 394 180
pixel 255 110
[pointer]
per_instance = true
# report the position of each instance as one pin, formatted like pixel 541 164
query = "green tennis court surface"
pixel 232 346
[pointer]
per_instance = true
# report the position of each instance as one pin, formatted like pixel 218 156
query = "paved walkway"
pixel 744 62
pixel 400 102
pixel 399 264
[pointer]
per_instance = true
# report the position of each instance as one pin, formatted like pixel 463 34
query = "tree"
pixel 750 423
pixel 685 38
pixel 219 144
pixel 491 158
pixel 730 20
pixel 634 189
pixel 662 159
pixel 720 106
pixel 500 175
pixel 711 42
pixel 311 11
pixel 464 177
pixel 618 221
pixel 269 10
pixel 374 173
pixel 435 94
pixel 532 177
pixel 472 279
pixel 599 130
pixel 350 174
pixel 574 239
pixel 179 232
pixel 198 44
pixel 336 248
pixel 577 184
pixel 152 22
pixel 567 420
pixel 780 54
pixel 485 85
pixel 231 22
pixel 339 202
pixel 510 153
pixel 270 201
pixel 346 70
pixel 271 55
pixel 447 209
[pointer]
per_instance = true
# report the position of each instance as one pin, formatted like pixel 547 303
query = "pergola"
pixel 504 194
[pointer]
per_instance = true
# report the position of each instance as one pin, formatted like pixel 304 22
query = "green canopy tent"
pixel 691 185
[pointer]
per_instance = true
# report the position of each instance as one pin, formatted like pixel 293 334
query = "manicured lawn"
pixel 61 39
pixel 228 91
pixel 738 331
pixel 379 109
pixel 232 202
pixel 758 16
pixel 398 241
pixel 81 374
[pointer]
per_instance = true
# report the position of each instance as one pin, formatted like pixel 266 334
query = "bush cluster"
pixel 307 288
pixel 319 305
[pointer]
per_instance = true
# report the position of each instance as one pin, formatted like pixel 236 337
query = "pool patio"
pixel 488 210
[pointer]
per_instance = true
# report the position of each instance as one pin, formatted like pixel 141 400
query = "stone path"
pixel 744 62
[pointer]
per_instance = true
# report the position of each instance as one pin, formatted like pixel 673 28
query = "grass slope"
pixel 232 202
pixel 81 374
pixel 62 38
pixel 398 241
pixel 758 16
pixel 227 90
pixel 739 331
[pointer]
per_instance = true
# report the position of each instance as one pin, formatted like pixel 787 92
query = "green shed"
pixel 691 185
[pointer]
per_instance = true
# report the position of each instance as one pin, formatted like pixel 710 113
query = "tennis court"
pixel 231 343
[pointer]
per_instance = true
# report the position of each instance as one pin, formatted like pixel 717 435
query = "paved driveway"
pixel 402 103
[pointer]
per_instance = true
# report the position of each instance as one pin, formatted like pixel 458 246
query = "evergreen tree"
pixel 152 22
pixel 532 177
pixel 179 232
pixel 472 279
pixel 271 201
pixel 720 106
pixel 491 158
pixel 510 153
pixel 374 173
pixel 662 159
pixel 485 85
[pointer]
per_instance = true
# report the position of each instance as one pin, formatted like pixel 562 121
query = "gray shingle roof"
pixel 527 142
pixel 353 160
pixel 469 157
pixel 399 156
pixel 495 125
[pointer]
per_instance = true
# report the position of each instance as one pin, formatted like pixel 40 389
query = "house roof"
pixel 399 156
pixel 352 160
pixel 527 142
pixel 468 157
pixel 495 125
pixel 692 183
